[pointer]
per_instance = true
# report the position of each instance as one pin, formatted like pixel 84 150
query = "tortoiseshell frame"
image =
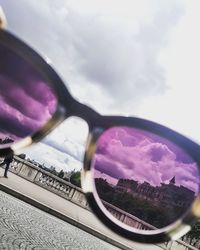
pixel 68 106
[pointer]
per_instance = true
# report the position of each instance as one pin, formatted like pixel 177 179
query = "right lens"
pixel 143 180
pixel 27 100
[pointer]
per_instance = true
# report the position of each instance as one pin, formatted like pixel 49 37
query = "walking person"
pixel 7 160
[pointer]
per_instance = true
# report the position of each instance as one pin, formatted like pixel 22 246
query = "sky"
pixel 137 58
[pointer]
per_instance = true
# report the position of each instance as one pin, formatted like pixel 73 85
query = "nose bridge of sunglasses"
pixel 3 21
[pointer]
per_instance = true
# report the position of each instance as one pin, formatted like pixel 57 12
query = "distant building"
pixel 127 185
pixel 167 195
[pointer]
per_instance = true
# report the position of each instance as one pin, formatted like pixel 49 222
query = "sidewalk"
pixel 65 210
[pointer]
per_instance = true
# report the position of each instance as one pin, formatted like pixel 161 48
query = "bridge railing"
pixel 127 218
pixel 45 179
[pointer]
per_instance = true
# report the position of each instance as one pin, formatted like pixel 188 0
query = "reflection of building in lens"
pixel 157 206
pixel 167 195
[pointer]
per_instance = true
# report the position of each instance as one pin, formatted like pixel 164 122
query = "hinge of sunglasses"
pixel 3 22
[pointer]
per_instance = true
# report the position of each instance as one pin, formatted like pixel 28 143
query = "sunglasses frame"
pixel 67 107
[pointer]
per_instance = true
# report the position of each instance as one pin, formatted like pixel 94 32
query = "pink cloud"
pixel 22 111
pixel 148 158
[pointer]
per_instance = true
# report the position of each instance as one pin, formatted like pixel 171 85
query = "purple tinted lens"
pixel 142 179
pixel 27 101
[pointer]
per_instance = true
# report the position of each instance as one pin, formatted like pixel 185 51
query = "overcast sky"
pixel 138 58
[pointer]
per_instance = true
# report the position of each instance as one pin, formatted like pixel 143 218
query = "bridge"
pixel 57 197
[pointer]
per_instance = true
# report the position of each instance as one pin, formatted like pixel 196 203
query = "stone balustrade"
pixel 43 178
pixel 127 218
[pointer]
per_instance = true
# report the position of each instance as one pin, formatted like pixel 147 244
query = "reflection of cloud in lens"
pixel 149 158
pixel 26 100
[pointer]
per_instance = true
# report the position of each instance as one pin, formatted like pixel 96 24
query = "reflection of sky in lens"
pixel 26 100
pixel 127 153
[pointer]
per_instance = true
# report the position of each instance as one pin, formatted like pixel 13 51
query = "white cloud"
pixel 63 148
pixel 50 156
pixel 178 106
pixel 69 138
pixel 119 53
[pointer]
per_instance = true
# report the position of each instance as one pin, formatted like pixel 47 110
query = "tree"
pixel 61 174
pixel 76 179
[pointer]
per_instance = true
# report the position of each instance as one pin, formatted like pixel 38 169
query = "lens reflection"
pixel 27 100
pixel 142 179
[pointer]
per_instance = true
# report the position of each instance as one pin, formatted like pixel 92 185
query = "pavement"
pixel 26 227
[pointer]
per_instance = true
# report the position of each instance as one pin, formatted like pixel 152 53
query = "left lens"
pixel 27 99
pixel 143 180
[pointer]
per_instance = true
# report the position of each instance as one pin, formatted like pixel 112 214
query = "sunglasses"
pixel 140 178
